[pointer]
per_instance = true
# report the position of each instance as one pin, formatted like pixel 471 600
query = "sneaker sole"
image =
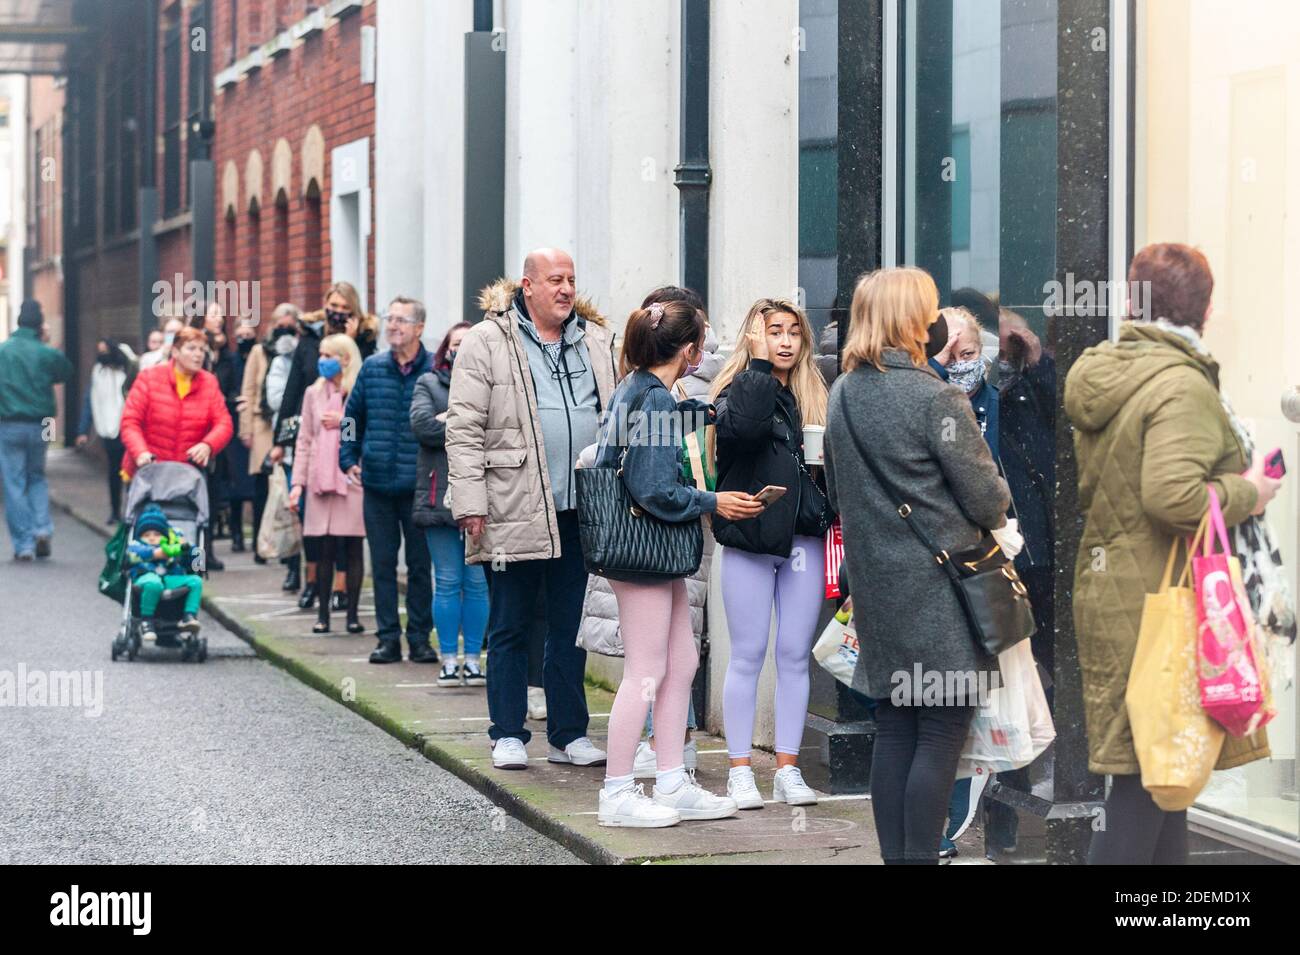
pixel 755 802
pixel 496 765
pixel 779 796
pixel 622 823
pixel 194 627
pixel 442 682
pixel 700 815
pixel 565 760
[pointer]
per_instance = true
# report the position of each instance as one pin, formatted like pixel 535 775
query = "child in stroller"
pixel 159 562
pixel 160 559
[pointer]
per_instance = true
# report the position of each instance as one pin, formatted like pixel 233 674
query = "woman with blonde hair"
pixel 889 414
pixel 767 392
pixel 334 516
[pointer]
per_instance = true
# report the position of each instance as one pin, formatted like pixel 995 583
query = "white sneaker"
pixel 632 808
pixel 581 752
pixel 788 787
pixel 644 765
pixel 742 788
pixel 509 753
pixel 692 801
pixel 536 703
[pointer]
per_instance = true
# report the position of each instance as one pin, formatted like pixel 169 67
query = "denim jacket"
pixel 653 435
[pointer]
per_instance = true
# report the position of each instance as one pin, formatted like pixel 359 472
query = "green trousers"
pixel 151 587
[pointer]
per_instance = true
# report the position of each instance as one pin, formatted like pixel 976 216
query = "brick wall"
pixel 318 82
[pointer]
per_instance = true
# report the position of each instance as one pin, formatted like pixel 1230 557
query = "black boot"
pixel 308 598
pixel 292 581
pixel 388 651
pixel 237 536
pixel 423 653
pixel 338 600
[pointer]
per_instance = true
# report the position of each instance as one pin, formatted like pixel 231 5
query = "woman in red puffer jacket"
pixel 176 411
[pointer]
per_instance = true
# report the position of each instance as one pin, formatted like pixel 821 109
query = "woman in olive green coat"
pixel 1151 436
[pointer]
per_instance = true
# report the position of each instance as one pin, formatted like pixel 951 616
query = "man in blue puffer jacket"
pixel 378 450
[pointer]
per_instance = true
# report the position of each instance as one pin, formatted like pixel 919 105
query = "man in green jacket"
pixel 29 370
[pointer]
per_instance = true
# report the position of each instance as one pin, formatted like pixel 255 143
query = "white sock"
pixel 614 784
pixel 670 780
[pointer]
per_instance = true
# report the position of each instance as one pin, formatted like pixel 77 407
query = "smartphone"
pixel 1274 465
pixel 769 494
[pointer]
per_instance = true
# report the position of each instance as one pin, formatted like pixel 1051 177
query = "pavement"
pixel 448 726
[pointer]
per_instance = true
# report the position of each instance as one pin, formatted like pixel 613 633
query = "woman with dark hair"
pixel 111 379
pixel 1152 437
pixel 460 596
pixel 644 428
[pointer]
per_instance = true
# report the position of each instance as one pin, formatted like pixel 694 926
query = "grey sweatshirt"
pixel 568 404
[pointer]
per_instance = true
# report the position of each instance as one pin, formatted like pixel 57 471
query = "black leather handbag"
pixel 991 593
pixel 620 540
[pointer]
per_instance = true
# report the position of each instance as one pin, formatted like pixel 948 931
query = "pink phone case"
pixel 1275 471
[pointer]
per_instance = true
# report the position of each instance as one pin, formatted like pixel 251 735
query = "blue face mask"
pixel 328 367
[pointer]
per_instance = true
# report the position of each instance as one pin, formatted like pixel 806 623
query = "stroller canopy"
pixel 179 489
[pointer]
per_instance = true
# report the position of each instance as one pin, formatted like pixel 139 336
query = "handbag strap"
pixel 637 402
pixel 904 509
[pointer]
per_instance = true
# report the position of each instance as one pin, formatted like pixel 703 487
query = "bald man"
pixel 526 393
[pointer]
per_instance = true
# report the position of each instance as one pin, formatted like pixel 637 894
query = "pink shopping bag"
pixel 1232 681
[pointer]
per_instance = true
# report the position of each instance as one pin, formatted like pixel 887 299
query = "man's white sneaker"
pixel 693 801
pixel 581 752
pixel 509 753
pixel 450 675
pixel 788 787
pixel 632 808
pixel 536 703
pixel 742 788
pixel 643 764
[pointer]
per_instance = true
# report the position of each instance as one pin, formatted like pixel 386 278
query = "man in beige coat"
pixel 528 386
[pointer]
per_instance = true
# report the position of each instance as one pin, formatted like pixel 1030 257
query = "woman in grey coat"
pixel 460 597
pixel 922 436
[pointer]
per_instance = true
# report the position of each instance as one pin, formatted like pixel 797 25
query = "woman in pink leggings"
pixel 661 343
pixel 765 395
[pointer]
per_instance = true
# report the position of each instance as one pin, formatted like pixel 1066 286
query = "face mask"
pixel 938 337
pixel 246 345
pixel 336 318
pixel 168 338
pixel 285 344
pixel 328 367
pixel 104 359
pixel 450 357
pixel 966 375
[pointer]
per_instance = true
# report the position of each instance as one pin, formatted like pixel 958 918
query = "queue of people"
pixel 466 461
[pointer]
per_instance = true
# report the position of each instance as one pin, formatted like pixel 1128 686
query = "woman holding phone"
pixel 768 391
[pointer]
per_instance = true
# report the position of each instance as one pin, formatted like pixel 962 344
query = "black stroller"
pixel 182 493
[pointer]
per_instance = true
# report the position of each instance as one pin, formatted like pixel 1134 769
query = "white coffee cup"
pixel 814 436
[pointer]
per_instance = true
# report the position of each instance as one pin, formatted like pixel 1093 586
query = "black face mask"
pixel 245 345
pixel 938 337
pixel 281 332
pixel 105 359
pixel 336 319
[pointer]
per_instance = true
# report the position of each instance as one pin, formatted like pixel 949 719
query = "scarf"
pixel 325 476
pixel 1253 543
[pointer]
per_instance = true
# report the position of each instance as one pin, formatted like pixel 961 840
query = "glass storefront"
pixel 1214 141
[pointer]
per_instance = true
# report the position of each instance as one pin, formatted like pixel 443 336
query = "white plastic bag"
pixel 837 648
pixel 280 534
pixel 1014 726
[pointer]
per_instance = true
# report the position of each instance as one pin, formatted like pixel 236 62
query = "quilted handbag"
pixel 620 540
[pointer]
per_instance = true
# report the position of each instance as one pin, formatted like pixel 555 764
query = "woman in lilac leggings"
pixel 767 392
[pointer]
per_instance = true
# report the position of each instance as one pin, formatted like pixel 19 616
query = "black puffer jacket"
pixel 430 400
pixel 760 442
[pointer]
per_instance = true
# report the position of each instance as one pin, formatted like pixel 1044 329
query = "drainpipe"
pixel 692 173
pixel 147 210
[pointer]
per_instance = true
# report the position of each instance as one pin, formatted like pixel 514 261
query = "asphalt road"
pixel 230 761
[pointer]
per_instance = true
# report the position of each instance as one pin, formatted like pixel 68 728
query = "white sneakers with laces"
pixel 692 801
pixel 743 789
pixel 631 808
pixel 536 704
pixel 581 752
pixel 788 787
pixel 509 753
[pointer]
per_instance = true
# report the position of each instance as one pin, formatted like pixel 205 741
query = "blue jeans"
pixel 27 494
pixel 690 718
pixel 460 597
pixel 388 526
pixel 511 611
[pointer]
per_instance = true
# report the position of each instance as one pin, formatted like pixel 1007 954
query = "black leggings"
pixel 913 768
pixel 343 550
pixel 1135 831
pixel 113 449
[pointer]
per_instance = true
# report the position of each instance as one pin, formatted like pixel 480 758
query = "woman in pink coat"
pixel 334 511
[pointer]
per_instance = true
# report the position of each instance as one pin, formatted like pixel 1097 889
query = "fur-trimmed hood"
pixel 497 298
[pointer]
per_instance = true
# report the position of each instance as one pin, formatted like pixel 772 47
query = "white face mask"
pixel 285 344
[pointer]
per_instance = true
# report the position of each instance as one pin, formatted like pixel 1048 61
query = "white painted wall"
pixel 754 223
